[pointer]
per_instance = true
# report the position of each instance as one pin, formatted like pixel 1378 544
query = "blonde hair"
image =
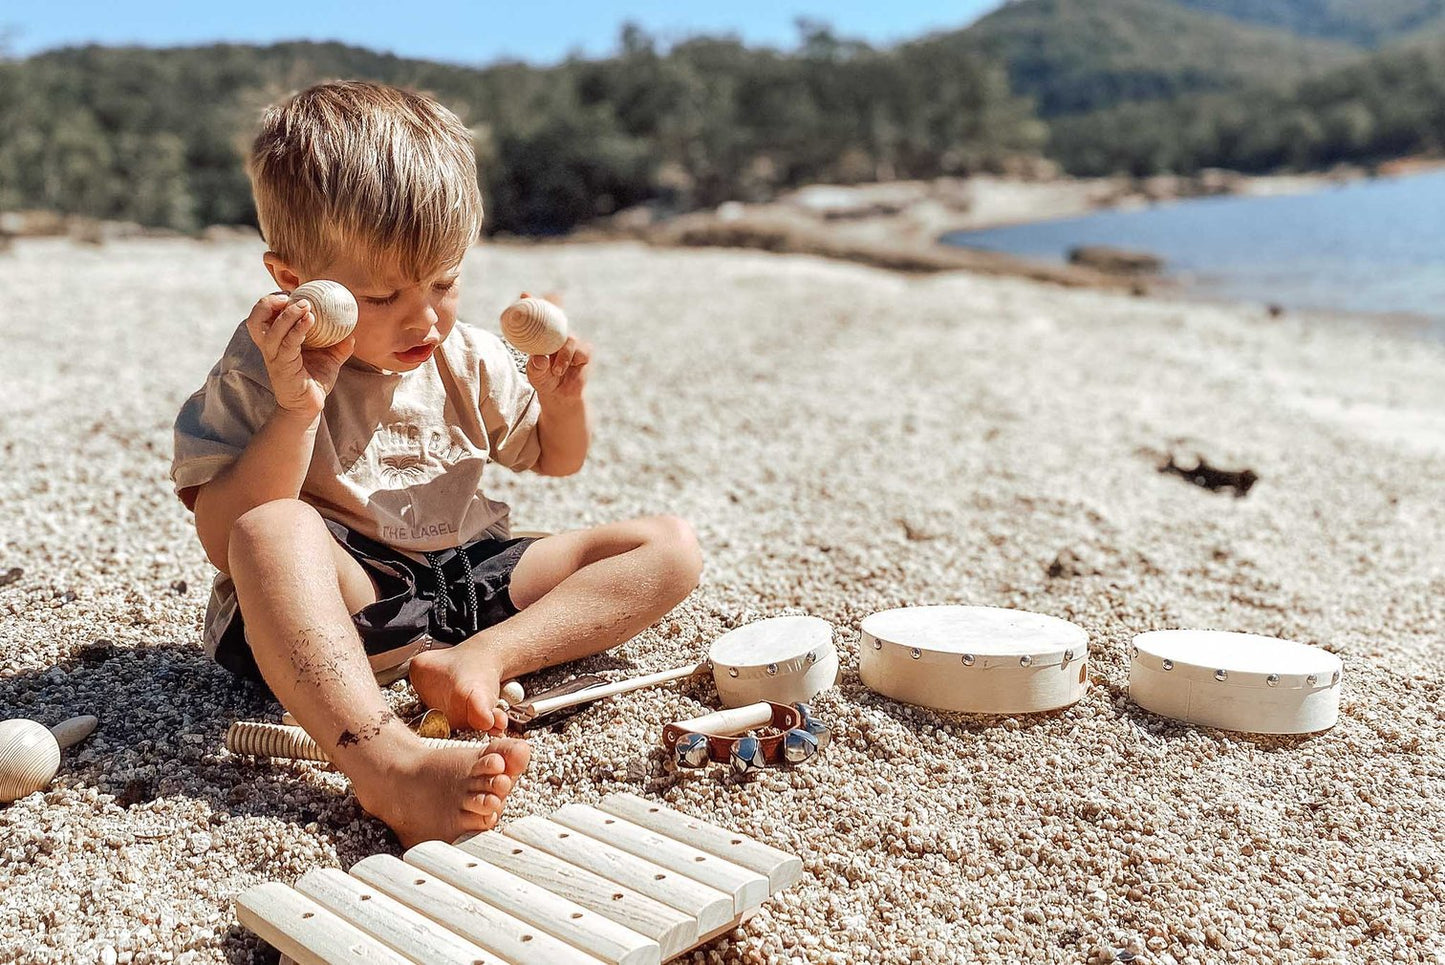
pixel 351 163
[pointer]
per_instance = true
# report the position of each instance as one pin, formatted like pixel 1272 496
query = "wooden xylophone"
pixel 629 882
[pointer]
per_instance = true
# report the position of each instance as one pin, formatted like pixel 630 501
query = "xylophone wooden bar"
pixel 673 931
pixel 780 868
pixel 389 921
pixel 711 908
pixel 748 888
pixel 307 932
pixel 600 937
pixel 591 886
pixel 514 940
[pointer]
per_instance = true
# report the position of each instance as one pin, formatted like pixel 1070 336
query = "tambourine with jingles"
pixel 717 737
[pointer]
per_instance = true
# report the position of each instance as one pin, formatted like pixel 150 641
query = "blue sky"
pixel 541 31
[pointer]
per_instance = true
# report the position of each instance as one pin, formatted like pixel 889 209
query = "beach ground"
pixel 844 439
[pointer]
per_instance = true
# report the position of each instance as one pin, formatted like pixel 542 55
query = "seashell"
pixel 513 693
pixel 535 326
pixel 30 753
pixel 334 308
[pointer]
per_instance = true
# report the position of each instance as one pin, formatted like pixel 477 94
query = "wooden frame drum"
pixel 974 659
pixel 786 660
pixel 1236 681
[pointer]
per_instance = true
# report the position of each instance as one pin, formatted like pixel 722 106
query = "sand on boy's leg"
pixel 579 593
pixel 297 590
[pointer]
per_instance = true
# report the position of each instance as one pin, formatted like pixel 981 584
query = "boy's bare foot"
pixel 462 684
pixel 438 794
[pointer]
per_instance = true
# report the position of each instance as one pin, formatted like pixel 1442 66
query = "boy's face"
pixel 400 323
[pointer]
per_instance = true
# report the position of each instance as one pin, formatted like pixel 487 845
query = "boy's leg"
pixel 297 589
pixel 579 593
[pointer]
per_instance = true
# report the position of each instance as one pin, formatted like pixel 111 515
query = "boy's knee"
pixel 677 540
pixel 264 524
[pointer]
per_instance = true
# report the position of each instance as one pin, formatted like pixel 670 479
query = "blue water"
pixel 1374 246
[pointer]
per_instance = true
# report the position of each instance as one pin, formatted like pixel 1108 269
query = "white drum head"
pixel 974 659
pixel 1236 681
pixel 783 659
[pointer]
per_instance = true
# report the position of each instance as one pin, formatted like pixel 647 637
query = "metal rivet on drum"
pixel 1133 651
pixel 1335 677
pixel 1220 674
pixel 1068 655
pixel 877 644
pixel 1168 664
pixel 1025 660
pixel 916 653
pixel 812 656
pixel 1272 680
pixel 709 664
pixel 1312 679
pixel 772 668
pixel 968 660
pixel 732 671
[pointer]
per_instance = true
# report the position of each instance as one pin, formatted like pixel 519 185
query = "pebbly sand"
pixel 844 440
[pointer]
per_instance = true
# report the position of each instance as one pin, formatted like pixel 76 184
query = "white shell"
pixel 535 326
pixel 783 659
pixel 1236 681
pixel 334 308
pixel 974 659
pixel 29 758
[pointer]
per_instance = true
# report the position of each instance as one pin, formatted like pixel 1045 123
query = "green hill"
pixel 1367 23
pixel 1073 56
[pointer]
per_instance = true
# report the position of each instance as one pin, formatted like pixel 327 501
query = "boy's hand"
pixel 562 375
pixel 300 378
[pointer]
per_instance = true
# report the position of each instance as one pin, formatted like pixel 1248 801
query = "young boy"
pixel 338 491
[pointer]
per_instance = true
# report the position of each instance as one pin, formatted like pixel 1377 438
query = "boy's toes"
pixel 489 765
pixel 516 753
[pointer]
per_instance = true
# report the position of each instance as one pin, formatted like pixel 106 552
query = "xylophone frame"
pixel 629 882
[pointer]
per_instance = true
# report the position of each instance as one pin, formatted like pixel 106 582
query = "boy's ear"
pixel 284 275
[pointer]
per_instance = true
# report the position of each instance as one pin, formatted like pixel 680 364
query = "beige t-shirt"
pixel 398 456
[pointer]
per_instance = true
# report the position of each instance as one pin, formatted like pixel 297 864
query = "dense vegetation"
pixel 156 135
pixel 1366 23
pixel 1082 55
pixel 1104 86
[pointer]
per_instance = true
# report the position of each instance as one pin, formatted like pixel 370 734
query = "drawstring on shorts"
pixel 439 605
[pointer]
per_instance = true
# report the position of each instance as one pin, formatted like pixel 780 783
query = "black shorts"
pixel 450 597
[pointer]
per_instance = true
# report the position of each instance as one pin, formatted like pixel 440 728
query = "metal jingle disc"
pixel 805 710
pixel 747 755
pixel 798 746
pixel 690 751
pixel 819 731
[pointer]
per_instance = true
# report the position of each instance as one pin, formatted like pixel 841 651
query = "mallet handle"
pixel 71 732
pixel 549 704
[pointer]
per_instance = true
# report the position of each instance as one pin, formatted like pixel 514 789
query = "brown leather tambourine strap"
pixel 795 738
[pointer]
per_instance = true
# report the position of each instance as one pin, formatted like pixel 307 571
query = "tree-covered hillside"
pixel 1081 55
pixel 1367 23
pixel 157 136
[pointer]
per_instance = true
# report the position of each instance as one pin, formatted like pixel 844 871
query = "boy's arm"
pixel 273 466
pixel 563 432
pixel 564 435
pixel 274 463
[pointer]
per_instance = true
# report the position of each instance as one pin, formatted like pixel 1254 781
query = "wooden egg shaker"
pixel 534 325
pixel 30 753
pixel 334 308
